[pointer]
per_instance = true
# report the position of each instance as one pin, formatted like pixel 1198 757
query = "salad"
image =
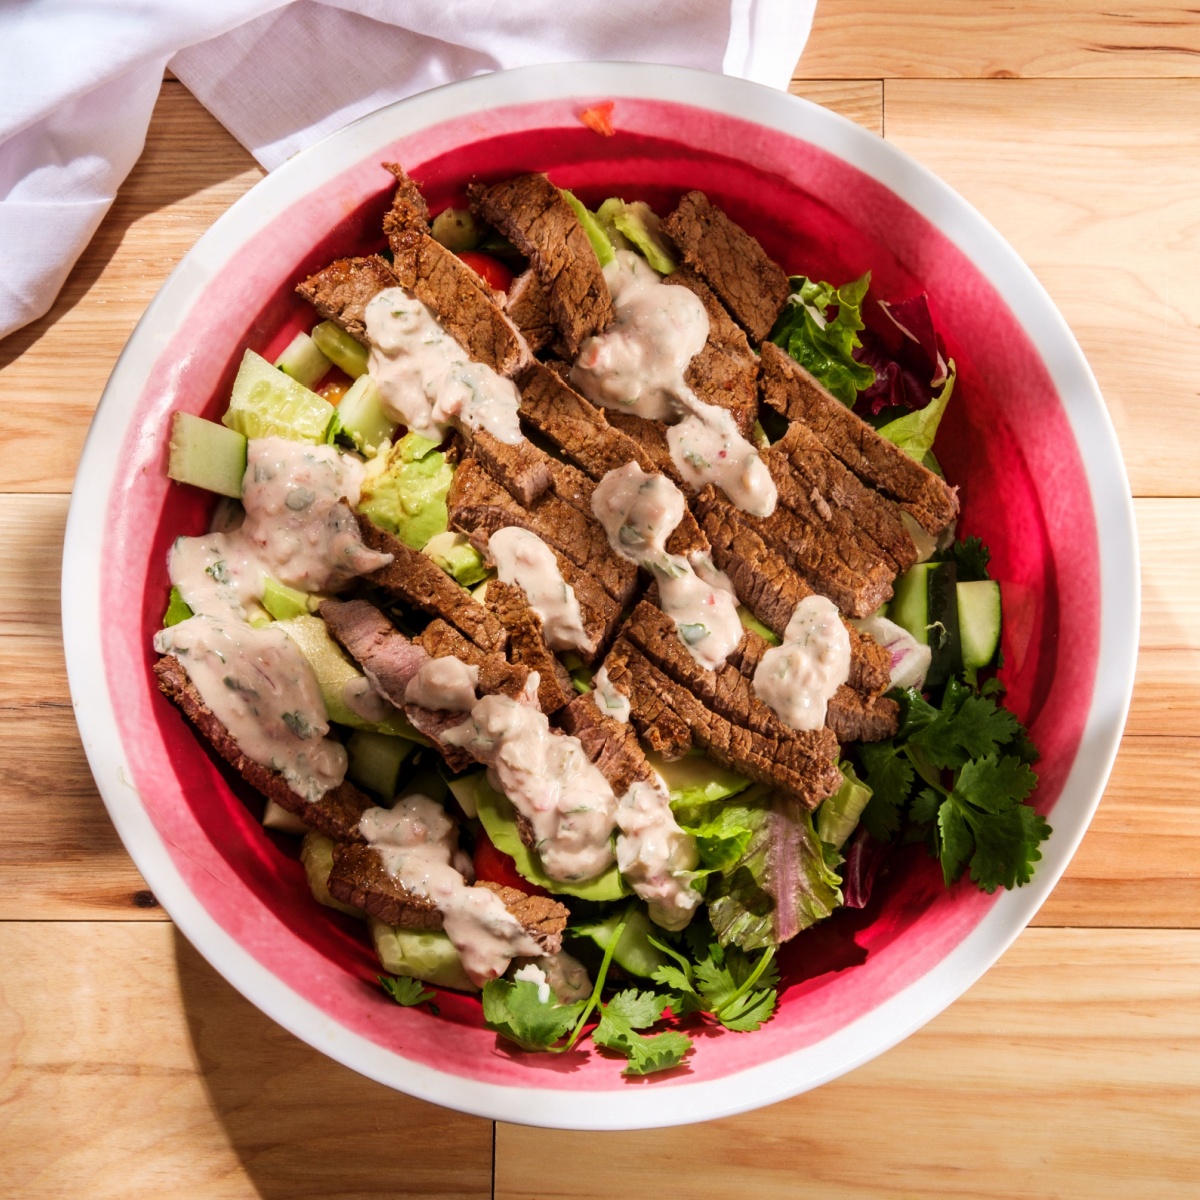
pixel 585 594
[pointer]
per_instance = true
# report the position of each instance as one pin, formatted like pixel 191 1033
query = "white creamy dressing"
pixel 639 512
pixel 638 365
pixel 261 688
pixel 426 378
pixel 559 974
pixel 416 842
pixel 364 700
pixel 523 559
pixel 446 684
pixel 655 856
pixel 550 782
pixel 608 700
pixel 798 677
pixel 299 529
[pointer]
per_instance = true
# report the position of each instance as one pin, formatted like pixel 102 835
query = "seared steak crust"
pixel 341 291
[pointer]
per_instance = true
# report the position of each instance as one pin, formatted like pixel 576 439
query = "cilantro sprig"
pixel 959 774
pixel 406 991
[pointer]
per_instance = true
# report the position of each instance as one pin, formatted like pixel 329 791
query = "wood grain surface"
pixel 128 1068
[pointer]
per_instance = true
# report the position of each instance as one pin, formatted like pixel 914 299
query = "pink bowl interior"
pixel 1005 442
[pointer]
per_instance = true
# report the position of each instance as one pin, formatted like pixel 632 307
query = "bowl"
pixel 1027 439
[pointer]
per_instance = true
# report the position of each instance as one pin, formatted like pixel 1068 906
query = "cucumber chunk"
pixel 979 621
pixel 751 622
pixel 376 760
pixel 499 819
pixel 334 671
pixel 276 817
pixel 424 954
pixel 363 417
pixel 341 349
pixel 283 602
pixel 206 455
pixel 926 604
pixel 303 361
pixel 634 951
pixel 316 856
pixel 267 403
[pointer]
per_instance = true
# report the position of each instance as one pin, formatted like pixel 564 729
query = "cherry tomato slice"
pixel 491 270
pixel 494 866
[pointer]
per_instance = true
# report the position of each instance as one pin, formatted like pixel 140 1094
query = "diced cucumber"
pixel 341 349
pixel 376 760
pixel 926 604
pixel 634 951
pixel 267 403
pixel 206 455
pixel 979 621
pixel 283 602
pixel 178 609
pixel 363 418
pixel 750 621
pixel 303 361
pixel 456 229
pixel 276 817
pixel 594 230
pixel 316 856
pixel 499 819
pixel 424 954
pixel 334 671
pixel 696 779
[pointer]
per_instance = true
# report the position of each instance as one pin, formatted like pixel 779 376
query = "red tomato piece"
pixel 598 118
pixel 491 270
pixel 494 866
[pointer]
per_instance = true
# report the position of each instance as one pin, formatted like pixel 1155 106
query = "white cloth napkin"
pixel 78 81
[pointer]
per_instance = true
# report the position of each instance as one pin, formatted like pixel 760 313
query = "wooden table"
pixel 130 1069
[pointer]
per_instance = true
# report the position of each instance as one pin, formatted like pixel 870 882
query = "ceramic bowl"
pixel 1027 439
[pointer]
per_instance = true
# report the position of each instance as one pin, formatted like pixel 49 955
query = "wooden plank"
pixel 856 39
pixel 53 371
pixel 1068 1070
pixel 64 860
pixel 860 100
pixel 1095 185
pixel 130 1068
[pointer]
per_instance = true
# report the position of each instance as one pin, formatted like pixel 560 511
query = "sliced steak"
pixel 730 261
pixel 386 656
pixel 335 814
pixel 725 372
pixel 479 506
pixel 801 768
pixel 414 579
pixel 528 308
pixel 341 292
pixel 611 744
pixel 523 469
pixel 789 389
pixel 409 210
pixel 651 439
pixel 360 878
pixel 527 644
pixel 497 676
pixel 532 213
pixel 854 717
pixel 461 301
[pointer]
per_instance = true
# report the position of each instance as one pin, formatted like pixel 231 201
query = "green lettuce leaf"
pixel 822 344
pixel 780 885
pixel 408 496
pixel 915 431
pixel 839 814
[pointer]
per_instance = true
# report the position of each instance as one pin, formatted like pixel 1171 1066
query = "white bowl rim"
pixel 622 1107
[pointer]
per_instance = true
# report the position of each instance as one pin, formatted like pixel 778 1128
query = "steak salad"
pixel 586 594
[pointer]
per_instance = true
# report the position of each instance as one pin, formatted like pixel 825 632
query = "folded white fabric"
pixel 78 81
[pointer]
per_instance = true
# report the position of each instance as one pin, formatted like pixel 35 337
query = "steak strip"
pixel 533 214
pixel 612 745
pixel 335 814
pixel 527 644
pixel 731 262
pixel 789 389
pixel 341 291
pixel 528 308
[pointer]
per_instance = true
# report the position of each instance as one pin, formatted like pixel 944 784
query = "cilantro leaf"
pixel 889 775
pixel 622 1017
pixel 405 990
pixel 995 784
pixel 967 727
pixel 751 1011
pixel 515 1011
pixel 972 558
pixel 725 983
